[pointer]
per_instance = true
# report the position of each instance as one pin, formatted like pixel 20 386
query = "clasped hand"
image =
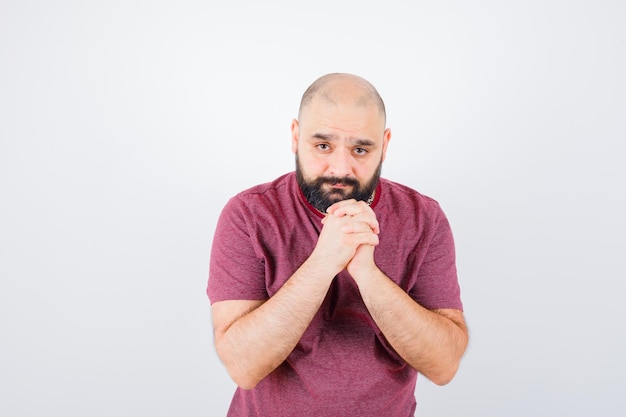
pixel 348 237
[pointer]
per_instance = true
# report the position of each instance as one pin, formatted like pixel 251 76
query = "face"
pixel 323 192
pixel 339 151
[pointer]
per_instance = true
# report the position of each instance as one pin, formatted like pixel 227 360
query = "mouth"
pixel 338 188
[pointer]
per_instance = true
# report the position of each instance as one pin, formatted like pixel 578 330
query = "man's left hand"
pixel 362 220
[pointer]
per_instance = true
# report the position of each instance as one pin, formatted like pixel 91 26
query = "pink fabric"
pixel 343 365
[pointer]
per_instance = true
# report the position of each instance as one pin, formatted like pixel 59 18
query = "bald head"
pixel 341 88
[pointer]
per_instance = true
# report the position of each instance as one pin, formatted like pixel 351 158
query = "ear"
pixel 295 135
pixel 386 139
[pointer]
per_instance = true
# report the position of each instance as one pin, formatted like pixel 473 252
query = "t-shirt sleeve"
pixel 437 283
pixel 236 272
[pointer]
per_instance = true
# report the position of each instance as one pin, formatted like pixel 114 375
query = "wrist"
pixel 323 266
pixel 363 271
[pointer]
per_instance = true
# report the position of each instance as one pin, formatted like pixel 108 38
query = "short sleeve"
pixel 235 271
pixel 437 284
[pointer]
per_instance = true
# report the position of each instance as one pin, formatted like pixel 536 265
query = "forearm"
pixel 256 343
pixel 430 342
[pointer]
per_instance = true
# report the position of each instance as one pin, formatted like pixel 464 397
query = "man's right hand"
pixel 342 234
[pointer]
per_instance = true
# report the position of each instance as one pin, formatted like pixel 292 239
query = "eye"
pixel 322 146
pixel 360 151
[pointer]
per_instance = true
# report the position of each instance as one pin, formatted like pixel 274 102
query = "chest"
pixel 283 244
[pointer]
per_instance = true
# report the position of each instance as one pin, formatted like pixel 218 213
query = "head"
pixel 339 139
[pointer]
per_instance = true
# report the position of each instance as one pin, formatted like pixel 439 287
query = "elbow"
pixel 243 378
pixel 442 380
pixel 237 372
pixel 443 376
pixel 446 370
pixel 245 382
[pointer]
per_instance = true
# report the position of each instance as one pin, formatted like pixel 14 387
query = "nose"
pixel 340 163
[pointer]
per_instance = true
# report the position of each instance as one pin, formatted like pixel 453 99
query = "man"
pixel 331 287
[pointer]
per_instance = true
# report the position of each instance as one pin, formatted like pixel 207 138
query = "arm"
pixel 432 342
pixel 254 337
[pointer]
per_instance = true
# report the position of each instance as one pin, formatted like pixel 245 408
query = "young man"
pixel 331 288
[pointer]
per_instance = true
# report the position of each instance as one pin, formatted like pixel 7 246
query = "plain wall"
pixel 126 125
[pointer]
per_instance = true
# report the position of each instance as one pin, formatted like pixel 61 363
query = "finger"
pixel 356 227
pixel 352 208
pixel 368 238
pixel 354 212
pixel 339 204
pixel 365 216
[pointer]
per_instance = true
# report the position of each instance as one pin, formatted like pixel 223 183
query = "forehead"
pixel 342 113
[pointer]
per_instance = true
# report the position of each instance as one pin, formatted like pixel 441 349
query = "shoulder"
pixel 265 193
pixel 263 201
pixel 399 196
pixel 280 184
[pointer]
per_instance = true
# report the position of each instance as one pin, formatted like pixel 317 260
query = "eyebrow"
pixel 355 141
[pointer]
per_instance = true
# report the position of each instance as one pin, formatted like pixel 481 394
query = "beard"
pixel 321 199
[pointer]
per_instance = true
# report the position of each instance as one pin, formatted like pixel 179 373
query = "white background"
pixel 126 125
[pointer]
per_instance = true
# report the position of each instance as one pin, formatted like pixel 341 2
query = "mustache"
pixel 337 180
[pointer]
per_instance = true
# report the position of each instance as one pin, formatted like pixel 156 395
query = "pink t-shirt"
pixel 343 365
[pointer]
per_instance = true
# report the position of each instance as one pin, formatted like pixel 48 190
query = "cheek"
pixel 365 168
pixel 366 171
pixel 313 166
